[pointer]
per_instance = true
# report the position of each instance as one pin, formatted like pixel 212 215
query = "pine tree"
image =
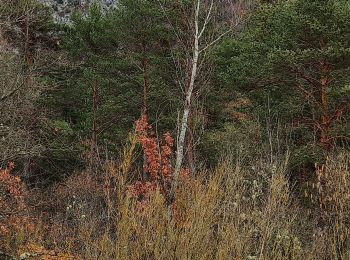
pixel 300 48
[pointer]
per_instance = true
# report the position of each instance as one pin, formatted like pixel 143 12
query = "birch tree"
pixel 205 35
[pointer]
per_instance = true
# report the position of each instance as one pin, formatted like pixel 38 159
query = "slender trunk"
pixel 187 109
pixel 325 139
pixel 94 123
pixel 94 151
pixel 28 60
pixel 190 143
pixel 145 68
pixel 26 41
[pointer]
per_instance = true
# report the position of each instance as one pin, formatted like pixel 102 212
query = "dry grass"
pixel 235 212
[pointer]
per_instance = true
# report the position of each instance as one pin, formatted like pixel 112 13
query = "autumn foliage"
pixel 13 209
pixel 16 219
pixel 157 165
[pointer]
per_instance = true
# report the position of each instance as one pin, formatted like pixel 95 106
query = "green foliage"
pixel 115 52
pixel 281 52
pixel 288 35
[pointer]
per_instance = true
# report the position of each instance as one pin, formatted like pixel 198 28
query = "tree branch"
pixel 6 96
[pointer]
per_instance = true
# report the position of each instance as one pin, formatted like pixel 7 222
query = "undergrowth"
pixel 233 212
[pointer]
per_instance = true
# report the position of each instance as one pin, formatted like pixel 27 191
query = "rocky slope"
pixel 62 9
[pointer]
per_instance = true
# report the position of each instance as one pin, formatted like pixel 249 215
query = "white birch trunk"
pixel 187 107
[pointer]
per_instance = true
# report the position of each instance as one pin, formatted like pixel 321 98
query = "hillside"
pixel 174 129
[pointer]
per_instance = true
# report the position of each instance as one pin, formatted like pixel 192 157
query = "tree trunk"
pixel 187 109
pixel 94 148
pixel 145 68
pixel 190 143
pixel 325 138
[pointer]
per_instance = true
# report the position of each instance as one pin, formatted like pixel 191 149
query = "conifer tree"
pixel 301 48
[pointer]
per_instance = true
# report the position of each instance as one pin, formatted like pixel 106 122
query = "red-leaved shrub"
pixel 14 213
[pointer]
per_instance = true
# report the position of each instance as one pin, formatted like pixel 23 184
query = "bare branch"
pixel 207 19
pixel 6 96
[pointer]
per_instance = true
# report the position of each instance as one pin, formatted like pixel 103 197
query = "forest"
pixel 174 129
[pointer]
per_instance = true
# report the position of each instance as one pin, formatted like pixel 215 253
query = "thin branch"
pixel 4 97
pixel 170 23
pixel 207 19
pixel 196 22
pixel 216 40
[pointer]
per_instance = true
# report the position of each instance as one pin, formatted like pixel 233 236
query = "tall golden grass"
pixel 234 212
